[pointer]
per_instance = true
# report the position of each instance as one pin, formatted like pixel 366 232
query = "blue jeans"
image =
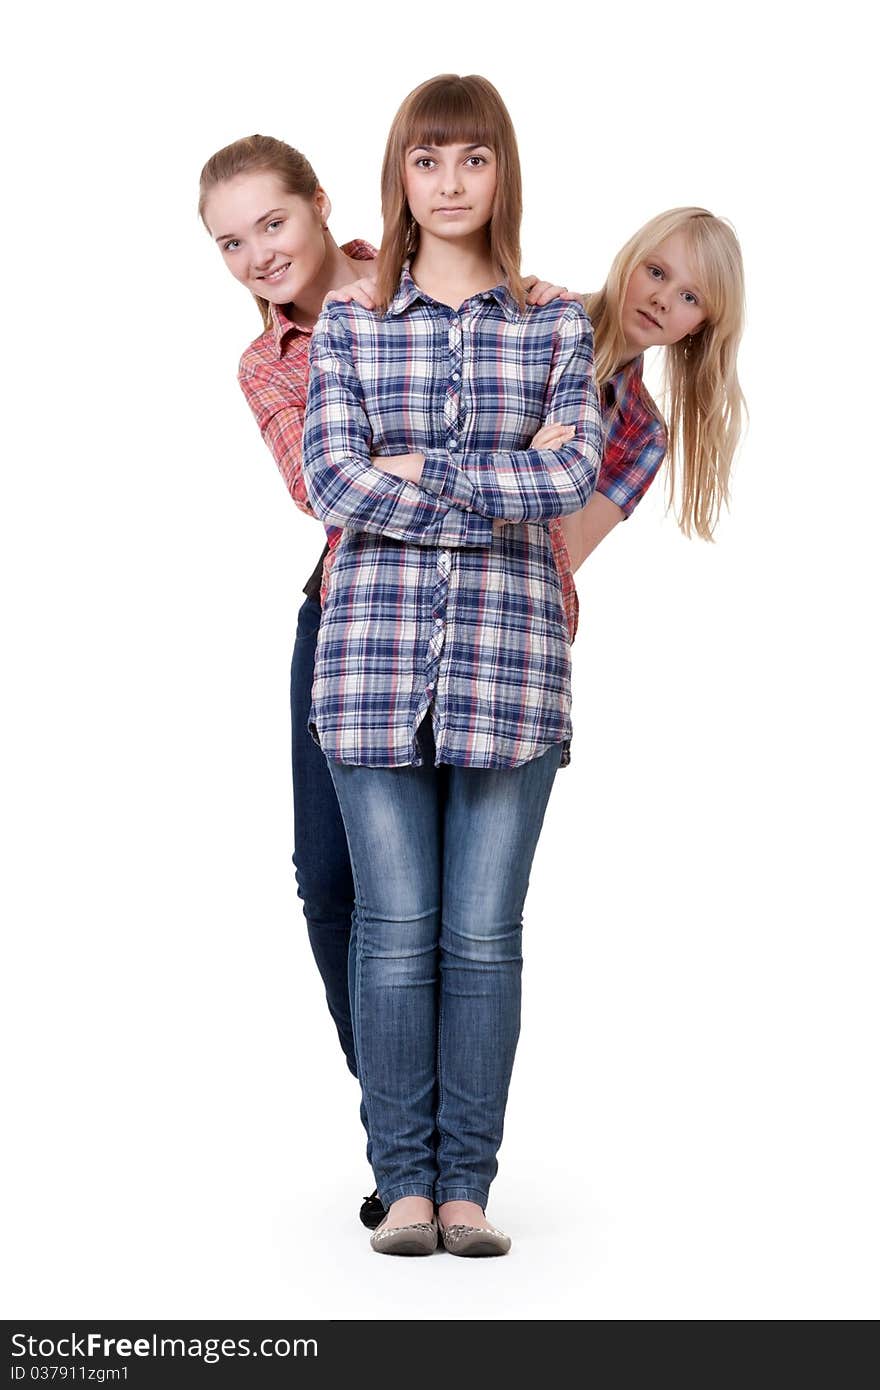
pixel 323 868
pixel 441 859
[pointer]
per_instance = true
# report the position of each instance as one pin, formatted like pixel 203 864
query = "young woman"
pixel 442 677
pixel 261 201
pixel 677 284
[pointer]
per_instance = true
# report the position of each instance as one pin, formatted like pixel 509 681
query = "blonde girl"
pixel 677 285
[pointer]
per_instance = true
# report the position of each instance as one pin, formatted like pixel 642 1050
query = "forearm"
pixel 522 485
pixel 346 490
pixel 586 529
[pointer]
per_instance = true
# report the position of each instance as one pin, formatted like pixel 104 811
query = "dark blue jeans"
pixel 323 867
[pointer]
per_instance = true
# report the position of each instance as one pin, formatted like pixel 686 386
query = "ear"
pixel 323 206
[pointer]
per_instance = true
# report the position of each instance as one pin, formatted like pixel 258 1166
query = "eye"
pixel 276 222
pixel 476 160
pixel 690 298
pixel 424 162
pixel 655 272
pixel 231 245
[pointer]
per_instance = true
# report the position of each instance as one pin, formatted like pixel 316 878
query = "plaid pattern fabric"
pixel 274 375
pixel 635 445
pixel 428 607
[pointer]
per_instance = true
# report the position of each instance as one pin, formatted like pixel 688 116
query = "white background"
pixel 692 1129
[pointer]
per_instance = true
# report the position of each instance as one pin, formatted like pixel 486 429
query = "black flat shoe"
pixel 372 1211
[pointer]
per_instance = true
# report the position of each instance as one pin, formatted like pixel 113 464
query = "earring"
pixel 688 345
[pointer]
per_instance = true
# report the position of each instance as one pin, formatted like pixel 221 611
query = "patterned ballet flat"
pixel 417 1239
pixel 472 1240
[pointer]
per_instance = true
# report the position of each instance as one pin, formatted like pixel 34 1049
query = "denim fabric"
pixel 441 859
pixel 323 868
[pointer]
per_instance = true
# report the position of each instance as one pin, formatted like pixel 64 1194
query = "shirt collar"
pixel 408 293
pixel 629 377
pixel 281 325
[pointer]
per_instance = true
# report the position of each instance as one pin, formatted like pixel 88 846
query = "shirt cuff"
pixel 466 530
pixel 626 501
pixel 442 477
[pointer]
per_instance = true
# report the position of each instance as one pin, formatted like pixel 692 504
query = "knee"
pixel 327 893
pixel 397 932
pixel 482 940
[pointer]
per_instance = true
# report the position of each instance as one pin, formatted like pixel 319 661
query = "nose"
pixel 263 257
pixel 451 183
pixel 659 298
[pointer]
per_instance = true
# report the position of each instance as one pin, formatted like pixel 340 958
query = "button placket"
pixel 438 620
pixel 452 404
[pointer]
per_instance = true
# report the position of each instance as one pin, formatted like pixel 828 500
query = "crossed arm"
pixel 420 497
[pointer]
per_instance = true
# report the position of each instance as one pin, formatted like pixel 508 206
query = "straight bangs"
pixel 453 111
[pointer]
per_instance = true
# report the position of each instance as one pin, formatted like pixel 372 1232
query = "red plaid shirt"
pixel 274 376
pixel 635 445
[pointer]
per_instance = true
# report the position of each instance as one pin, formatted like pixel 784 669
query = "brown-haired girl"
pixel 442 681
pixel 262 202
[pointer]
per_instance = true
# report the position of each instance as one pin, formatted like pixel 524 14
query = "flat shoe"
pixel 473 1240
pixel 417 1239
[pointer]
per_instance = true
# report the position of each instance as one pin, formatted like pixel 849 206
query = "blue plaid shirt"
pixel 428 607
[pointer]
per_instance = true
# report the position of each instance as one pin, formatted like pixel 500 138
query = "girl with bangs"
pixel 261 201
pixel 443 433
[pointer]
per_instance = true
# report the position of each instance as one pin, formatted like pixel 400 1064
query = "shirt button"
pixel 453 443
pixel 455 376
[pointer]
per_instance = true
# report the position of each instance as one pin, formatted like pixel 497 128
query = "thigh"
pixel 321 850
pixel 493 819
pixel 393 825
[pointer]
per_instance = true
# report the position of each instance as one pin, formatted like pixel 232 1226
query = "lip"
pixel 448 211
pixel 650 318
pixel 277 274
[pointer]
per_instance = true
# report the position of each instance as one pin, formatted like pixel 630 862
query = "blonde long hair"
pixel 258 154
pixel 451 110
pixel 705 405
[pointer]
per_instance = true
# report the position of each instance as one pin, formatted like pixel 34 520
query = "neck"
pixel 451 271
pixel 336 271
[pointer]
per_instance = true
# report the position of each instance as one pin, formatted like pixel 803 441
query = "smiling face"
pixel 664 301
pixel 450 189
pixel 272 241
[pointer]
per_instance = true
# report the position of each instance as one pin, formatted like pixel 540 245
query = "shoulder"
pixel 359 250
pixel 563 319
pixel 340 322
pixel 635 422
